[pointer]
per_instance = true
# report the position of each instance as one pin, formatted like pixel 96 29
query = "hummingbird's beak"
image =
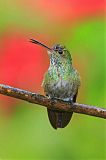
pixel 39 43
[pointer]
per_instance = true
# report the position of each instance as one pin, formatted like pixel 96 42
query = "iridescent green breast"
pixel 61 85
pixel 61 80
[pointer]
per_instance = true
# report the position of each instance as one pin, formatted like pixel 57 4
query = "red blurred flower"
pixel 65 11
pixel 22 64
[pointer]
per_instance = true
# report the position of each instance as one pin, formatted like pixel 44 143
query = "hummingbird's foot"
pixel 69 100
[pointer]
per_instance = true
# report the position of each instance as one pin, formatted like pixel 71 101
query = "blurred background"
pixel 25 131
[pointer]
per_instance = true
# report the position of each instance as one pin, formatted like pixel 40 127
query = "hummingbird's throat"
pixel 60 65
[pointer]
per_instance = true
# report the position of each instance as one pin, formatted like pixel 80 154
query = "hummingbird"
pixel 61 81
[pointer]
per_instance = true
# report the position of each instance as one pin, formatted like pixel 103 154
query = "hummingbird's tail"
pixel 59 119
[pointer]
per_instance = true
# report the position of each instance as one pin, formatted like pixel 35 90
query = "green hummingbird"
pixel 61 81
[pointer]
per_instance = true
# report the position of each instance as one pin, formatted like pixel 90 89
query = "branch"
pixel 54 104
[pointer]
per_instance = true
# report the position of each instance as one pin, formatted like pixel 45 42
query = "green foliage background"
pixel 27 134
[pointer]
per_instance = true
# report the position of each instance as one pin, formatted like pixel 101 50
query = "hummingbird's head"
pixel 58 53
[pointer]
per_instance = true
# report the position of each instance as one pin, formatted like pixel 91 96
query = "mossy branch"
pixel 54 104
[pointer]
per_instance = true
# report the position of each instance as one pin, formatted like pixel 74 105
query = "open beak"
pixel 39 43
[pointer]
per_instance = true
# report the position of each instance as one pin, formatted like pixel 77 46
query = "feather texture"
pixel 61 81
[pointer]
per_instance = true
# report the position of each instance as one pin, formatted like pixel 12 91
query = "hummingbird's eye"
pixel 60 51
